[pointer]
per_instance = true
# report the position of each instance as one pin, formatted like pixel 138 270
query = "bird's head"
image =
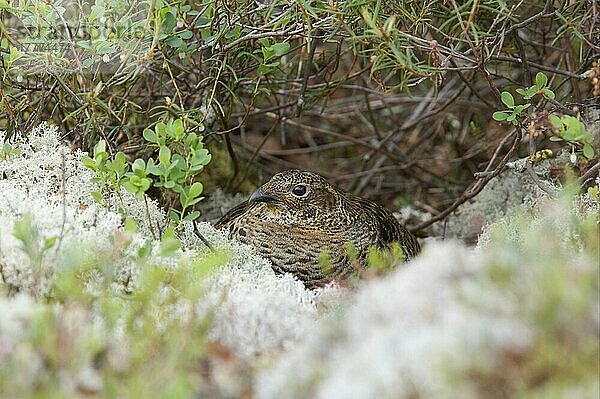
pixel 297 194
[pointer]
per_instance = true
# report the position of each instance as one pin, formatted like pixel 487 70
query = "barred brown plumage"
pixel 297 216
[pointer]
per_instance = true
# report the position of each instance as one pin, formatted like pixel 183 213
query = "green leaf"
pixel 521 91
pixel 556 138
pixel 97 195
pixel 169 243
pixel 149 135
pixel 195 190
pixel 178 162
pixel 164 155
pixel 135 181
pixel 152 168
pixel 175 41
pixel 161 129
pixel 201 157
pixel 192 216
pixel 548 93
pixel 129 186
pixel 185 34
pixel 178 129
pixel 96 12
pixel 280 49
pixel 593 192
pixel 130 225
pixel 24 229
pixel 530 92
pixel 174 215
pixel 178 188
pixel 520 108
pixel 89 162
pixel 145 184
pixel 266 68
pixel 100 147
pixel 555 121
pixel 507 99
pixel 588 151
pixel 573 126
pixel 193 201
pixel 500 116
pixel 145 250
pixel 169 23
pixel 49 243
pixel 183 198
pixel 541 79
pixel 119 164
pixel 137 166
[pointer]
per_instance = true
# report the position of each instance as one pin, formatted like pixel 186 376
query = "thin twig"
pixel 542 14
pixel 150 226
pixel 201 237
pixel 64 202
pixel 588 174
pixel 538 182
pixel 307 69
pixel 475 189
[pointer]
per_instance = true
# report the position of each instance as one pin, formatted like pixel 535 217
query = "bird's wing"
pixel 232 215
pixel 392 231
pixel 389 229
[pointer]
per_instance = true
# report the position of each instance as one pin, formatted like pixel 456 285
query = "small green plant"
pixel 594 192
pixel 181 157
pixel 514 111
pixel 109 173
pixel 540 87
pixel 138 180
pixel 571 130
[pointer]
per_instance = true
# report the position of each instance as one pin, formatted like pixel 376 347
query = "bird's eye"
pixel 299 190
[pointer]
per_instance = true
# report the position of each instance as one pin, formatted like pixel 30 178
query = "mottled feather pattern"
pixel 297 216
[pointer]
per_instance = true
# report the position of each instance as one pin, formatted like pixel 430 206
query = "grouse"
pixel 306 226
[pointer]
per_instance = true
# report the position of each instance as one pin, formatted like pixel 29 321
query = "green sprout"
pixel 540 87
pixel 571 130
pixel 513 112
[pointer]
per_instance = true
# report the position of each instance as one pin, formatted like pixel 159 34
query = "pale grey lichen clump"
pixel 510 189
pixel 48 183
pixel 251 309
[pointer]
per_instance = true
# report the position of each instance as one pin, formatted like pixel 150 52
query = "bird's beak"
pixel 260 196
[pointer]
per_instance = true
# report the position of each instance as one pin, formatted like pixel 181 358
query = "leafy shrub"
pixel 321 82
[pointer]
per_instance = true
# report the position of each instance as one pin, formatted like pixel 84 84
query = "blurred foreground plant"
pixel 90 338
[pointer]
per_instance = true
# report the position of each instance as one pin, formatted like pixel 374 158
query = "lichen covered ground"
pixel 92 304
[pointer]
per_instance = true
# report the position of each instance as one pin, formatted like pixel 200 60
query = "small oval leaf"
pixel 588 151
pixel 500 116
pixel 149 135
pixel 541 79
pixel 164 155
pixel 507 99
